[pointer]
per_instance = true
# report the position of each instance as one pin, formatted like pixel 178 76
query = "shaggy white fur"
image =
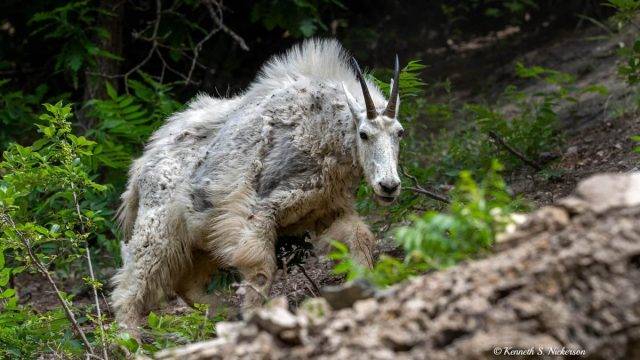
pixel 222 179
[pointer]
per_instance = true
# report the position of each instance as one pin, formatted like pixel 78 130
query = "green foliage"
pixel 25 334
pixel 172 330
pixel 533 128
pixel 17 111
pixel 125 121
pixel 458 13
pixel 637 140
pixel 74 26
pixel 46 209
pixel 630 68
pixel 386 271
pixel 625 10
pixel 300 18
pixel 411 84
pixel 40 188
pixel 477 213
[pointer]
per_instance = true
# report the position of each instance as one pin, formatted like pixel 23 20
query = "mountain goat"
pixel 222 179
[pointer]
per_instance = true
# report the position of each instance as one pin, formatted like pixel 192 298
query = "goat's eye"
pixel 363 135
pixel 400 133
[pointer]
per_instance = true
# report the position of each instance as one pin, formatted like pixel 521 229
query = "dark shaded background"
pixel 372 30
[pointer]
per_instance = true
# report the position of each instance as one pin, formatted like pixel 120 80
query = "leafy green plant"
pixel 625 10
pixel 45 216
pixel 41 185
pixel 26 334
pixel 172 330
pixel 477 213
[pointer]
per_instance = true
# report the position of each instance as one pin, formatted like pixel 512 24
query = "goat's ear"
pixel 397 100
pixel 356 109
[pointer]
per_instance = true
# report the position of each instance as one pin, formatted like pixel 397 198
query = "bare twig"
pixel 218 20
pixel 45 273
pixel 154 45
pixel 196 52
pixel 285 268
pixel 417 188
pixel 496 138
pixel 91 356
pixel 93 278
pixel 315 287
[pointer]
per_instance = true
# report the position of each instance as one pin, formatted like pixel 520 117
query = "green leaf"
pixel 128 342
pixel 4 276
pixel 111 91
pixel 153 320
pixel 7 293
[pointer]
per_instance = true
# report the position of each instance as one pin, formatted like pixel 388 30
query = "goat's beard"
pixel 384 200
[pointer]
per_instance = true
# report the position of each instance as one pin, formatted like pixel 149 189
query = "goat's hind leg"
pixel 155 257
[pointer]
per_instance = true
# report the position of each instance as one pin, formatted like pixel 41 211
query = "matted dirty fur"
pixel 222 179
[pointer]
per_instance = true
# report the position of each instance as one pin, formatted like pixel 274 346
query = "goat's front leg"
pixel 351 230
pixel 255 259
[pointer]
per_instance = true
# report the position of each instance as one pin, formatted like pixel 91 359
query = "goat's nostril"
pixel 388 187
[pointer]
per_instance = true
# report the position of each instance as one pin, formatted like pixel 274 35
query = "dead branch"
pixel 315 287
pixel 499 140
pixel 45 273
pixel 417 188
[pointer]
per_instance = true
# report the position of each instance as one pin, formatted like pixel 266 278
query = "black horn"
pixel 371 109
pixel 390 111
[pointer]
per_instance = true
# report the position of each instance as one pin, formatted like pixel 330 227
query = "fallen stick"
pixel 497 139
pixel 315 287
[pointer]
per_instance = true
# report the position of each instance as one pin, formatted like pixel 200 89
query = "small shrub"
pixel 40 188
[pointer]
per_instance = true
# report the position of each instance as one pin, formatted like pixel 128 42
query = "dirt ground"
pixel 598 131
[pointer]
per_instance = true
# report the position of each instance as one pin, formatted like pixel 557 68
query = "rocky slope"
pixel 566 281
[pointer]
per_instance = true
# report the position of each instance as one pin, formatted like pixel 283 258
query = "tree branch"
pixel 422 191
pixel 218 20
